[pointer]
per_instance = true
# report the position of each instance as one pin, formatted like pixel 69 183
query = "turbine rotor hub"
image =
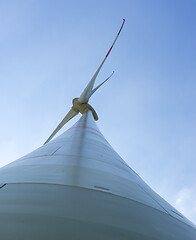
pixel 83 107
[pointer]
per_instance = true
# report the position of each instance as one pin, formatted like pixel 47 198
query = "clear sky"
pixel 49 50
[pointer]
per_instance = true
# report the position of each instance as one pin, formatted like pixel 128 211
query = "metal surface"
pixel 78 187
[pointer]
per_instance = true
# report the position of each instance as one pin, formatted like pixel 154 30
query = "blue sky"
pixel 50 50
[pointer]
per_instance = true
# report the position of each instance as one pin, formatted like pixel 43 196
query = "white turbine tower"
pixel 77 187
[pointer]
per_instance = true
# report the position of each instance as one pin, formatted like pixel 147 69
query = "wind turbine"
pixel 77 187
pixel 80 105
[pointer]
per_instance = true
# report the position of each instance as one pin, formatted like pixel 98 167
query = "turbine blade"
pixel 68 117
pixel 84 97
pixel 95 89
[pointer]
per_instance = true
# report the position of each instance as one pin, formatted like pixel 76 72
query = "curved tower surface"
pixel 77 187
